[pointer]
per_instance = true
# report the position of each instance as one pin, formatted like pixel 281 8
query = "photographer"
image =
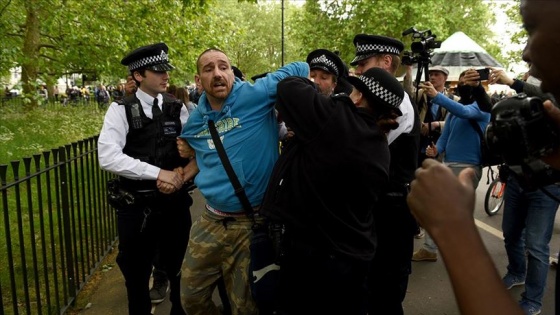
pixel 444 203
pixel 499 76
pixel 459 141
pixel 391 267
pixel 528 219
pixel 432 115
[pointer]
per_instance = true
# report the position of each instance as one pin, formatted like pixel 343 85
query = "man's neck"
pixel 148 93
pixel 215 104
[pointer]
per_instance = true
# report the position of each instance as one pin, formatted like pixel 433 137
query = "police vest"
pixel 154 140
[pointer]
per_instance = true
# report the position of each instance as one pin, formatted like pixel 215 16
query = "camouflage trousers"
pixel 218 247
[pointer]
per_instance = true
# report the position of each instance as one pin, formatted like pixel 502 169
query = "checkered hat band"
pixel 376 48
pixel 323 60
pixel 389 97
pixel 149 61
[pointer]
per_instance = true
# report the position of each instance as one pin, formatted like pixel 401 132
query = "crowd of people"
pixel 408 157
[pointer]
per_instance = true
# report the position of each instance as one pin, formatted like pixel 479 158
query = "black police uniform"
pixel 338 150
pixel 154 222
pixel 395 225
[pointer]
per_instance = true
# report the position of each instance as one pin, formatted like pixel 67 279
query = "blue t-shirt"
pixel 248 129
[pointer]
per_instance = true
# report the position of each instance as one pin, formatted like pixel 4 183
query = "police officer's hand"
pixel 165 187
pixel 171 177
pixel 290 134
pixel 553 113
pixel 185 150
pixel 388 121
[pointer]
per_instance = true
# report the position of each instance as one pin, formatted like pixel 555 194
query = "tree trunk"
pixel 31 43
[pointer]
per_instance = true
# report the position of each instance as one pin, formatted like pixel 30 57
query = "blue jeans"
pixel 429 243
pixel 527 226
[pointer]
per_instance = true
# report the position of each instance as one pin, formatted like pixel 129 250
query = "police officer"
pixel 329 241
pixel 326 68
pixel 138 143
pixel 395 225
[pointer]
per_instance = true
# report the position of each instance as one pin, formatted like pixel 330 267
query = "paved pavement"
pixel 429 291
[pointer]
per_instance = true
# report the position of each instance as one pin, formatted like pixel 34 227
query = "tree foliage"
pixel 517 35
pixel 52 38
pixel 49 39
pixel 339 21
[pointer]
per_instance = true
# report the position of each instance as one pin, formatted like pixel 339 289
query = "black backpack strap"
pixel 477 128
pixel 490 173
pixel 239 190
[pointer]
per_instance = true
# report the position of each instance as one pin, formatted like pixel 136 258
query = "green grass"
pixel 23 134
pixel 45 128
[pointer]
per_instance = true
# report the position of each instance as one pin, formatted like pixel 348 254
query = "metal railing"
pixel 55 229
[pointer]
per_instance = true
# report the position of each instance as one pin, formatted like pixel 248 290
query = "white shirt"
pixel 406 121
pixel 112 140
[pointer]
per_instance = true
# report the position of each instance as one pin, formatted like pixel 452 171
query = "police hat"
pixel 238 73
pixel 326 60
pixel 152 57
pixel 369 45
pixel 382 90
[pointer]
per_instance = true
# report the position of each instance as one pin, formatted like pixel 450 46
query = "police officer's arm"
pixel 183 172
pixel 406 121
pixel 165 187
pixel 170 177
pixel 443 204
pixel 111 142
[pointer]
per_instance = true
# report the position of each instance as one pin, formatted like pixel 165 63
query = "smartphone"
pixel 484 73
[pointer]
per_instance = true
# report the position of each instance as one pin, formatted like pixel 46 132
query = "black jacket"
pixel 326 182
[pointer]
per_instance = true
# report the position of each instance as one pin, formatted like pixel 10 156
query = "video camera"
pixel 421 48
pixel 520 134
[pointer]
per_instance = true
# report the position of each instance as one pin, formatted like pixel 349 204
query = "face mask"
pixel 465 91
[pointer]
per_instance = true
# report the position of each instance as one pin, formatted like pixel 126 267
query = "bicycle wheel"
pixel 494 199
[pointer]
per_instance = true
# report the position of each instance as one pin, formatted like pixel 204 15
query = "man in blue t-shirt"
pixel 244 117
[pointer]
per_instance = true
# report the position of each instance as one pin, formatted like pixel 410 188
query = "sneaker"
pixel 159 289
pixel 529 309
pixel 511 281
pixel 420 233
pixel 424 255
pixel 553 260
